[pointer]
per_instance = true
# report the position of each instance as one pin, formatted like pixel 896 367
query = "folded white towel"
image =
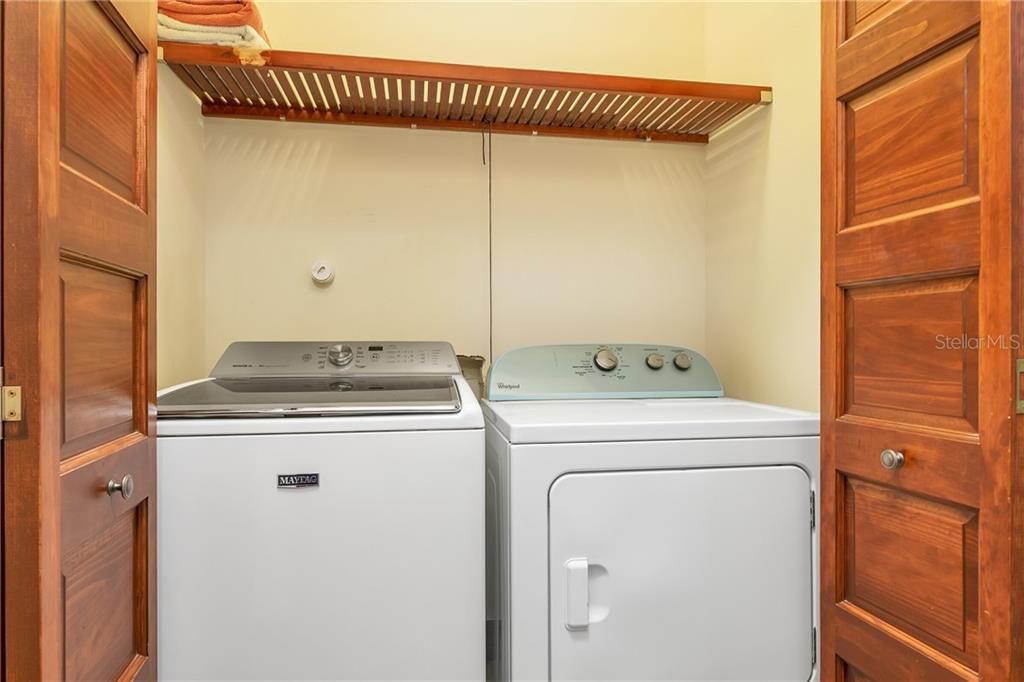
pixel 170 22
pixel 230 36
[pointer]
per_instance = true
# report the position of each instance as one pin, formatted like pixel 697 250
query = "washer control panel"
pixel 602 371
pixel 335 358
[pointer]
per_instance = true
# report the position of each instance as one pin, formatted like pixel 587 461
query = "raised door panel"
pixel 103 86
pixel 102 400
pixel 933 549
pixel 910 356
pixel 912 142
pixel 104 616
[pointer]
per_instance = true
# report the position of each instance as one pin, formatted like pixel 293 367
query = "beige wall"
pixel 660 39
pixel 600 241
pixel 597 241
pixel 181 248
pixel 762 210
pixel 401 215
pixel 714 247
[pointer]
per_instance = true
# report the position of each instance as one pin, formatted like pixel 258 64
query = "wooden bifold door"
pixel 921 149
pixel 79 472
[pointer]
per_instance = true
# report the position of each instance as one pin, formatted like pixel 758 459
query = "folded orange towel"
pixel 214 12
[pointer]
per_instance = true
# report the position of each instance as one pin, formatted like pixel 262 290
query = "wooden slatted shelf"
pixel 302 86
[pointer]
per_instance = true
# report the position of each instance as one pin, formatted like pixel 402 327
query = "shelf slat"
pixel 301 86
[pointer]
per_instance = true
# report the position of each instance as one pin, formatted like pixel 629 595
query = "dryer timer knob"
pixel 681 361
pixel 605 360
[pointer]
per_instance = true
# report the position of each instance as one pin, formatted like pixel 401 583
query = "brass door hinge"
pixel 10 401
pixel 1019 385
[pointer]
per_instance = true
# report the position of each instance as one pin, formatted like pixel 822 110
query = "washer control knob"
pixel 681 361
pixel 340 355
pixel 605 360
pixel 655 360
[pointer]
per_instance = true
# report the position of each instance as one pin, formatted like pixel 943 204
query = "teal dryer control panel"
pixel 608 371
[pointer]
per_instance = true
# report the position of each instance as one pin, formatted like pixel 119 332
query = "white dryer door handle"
pixel 577 594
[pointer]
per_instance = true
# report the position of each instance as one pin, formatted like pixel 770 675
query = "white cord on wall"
pixel 488 160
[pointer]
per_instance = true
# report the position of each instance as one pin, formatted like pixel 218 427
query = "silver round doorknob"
pixel 892 459
pixel 605 360
pixel 126 487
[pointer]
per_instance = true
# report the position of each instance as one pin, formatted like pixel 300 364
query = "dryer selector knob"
pixel 655 360
pixel 340 355
pixel 681 361
pixel 605 360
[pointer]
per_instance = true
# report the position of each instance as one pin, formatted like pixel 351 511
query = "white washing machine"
pixel 641 526
pixel 321 516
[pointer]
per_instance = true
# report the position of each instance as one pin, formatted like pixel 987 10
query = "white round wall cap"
pixel 323 273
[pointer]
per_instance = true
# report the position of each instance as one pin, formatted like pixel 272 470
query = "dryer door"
pixel 696 574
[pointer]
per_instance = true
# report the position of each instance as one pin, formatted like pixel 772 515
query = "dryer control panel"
pixel 608 371
pixel 335 358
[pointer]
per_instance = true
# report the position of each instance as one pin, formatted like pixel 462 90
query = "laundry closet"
pixel 745 277
pixel 552 211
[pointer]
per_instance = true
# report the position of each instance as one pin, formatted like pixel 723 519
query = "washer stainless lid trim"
pixel 311 397
pixel 469 418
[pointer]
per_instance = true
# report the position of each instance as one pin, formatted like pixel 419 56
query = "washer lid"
pixel 321 379
pixel 587 421
pixel 311 396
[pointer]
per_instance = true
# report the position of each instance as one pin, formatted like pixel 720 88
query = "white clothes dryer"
pixel 642 526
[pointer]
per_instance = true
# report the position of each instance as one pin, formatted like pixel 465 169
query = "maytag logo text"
pixel 298 480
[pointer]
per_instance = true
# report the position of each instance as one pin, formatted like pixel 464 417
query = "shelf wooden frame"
pixel 322 88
